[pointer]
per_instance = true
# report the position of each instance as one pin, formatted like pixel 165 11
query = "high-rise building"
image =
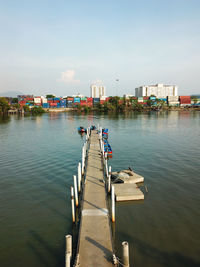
pixel 97 91
pixel 158 90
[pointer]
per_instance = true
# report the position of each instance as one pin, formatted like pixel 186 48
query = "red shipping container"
pixel 53 104
pixel 70 98
pixel 38 104
pixel 83 101
pixel 22 103
pixel 146 97
pixel 185 101
pixel 49 101
pixel 102 102
pixel 89 99
pixel 56 101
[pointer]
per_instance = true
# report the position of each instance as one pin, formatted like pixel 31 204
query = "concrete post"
pixel 69 245
pixel 75 191
pixel 113 202
pixel 72 200
pixel 79 177
pixel 125 254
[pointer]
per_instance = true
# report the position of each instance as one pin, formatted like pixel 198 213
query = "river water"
pixel 39 155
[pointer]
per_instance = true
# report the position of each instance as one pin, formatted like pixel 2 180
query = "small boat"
pixel 82 129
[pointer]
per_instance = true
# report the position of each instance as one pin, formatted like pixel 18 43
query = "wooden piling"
pixel 125 254
pixel 83 160
pixel 72 200
pixel 67 260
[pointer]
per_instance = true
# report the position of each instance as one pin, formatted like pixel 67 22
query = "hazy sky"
pixel 63 46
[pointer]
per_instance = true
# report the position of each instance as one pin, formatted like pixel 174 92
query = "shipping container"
pixel 50 99
pixel 63 105
pixel 53 104
pixel 152 98
pixel 45 105
pixel 63 101
pixel 102 102
pixel 84 98
pixel 89 99
pixel 56 99
pixel 70 98
pixel 77 99
pixel 89 104
pixel 145 97
pixel 96 100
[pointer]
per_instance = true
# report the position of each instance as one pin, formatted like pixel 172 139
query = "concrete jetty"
pixel 95 244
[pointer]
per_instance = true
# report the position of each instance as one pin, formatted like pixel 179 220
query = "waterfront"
pixel 39 155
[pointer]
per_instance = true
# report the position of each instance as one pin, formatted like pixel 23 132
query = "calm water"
pixel 39 155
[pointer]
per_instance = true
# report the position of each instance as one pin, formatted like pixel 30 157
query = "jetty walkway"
pixel 95 244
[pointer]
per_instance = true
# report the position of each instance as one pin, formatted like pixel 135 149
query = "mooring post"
pixel 72 200
pixel 109 181
pixel 75 191
pixel 113 202
pixel 125 254
pixel 69 245
pixel 79 177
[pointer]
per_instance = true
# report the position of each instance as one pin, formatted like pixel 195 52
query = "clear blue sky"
pixel 63 46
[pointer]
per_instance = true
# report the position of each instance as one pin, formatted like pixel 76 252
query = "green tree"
pixel 15 100
pixel 16 105
pixel 4 106
pixel 37 110
pixel 50 96
pixel 26 108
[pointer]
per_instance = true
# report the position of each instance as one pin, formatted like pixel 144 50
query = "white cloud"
pixel 68 76
pixel 97 82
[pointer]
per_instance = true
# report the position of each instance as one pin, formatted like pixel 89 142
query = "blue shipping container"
pixel 45 105
pixel 77 100
pixel 96 100
pixel 56 98
pixel 50 99
pixel 63 101
pixel 58 105
pixel 152 97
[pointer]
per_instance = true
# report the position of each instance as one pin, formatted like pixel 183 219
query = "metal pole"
pixel 113 202
pixel 75 191
pixel 125 254
pixel 72 200
pixel 79 177
pixel 69 245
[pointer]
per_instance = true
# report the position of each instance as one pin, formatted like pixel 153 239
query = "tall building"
pixel 97 91
pixel 159 90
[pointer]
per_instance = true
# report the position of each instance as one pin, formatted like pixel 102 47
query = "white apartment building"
pixel 159 90
pixel 97 91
